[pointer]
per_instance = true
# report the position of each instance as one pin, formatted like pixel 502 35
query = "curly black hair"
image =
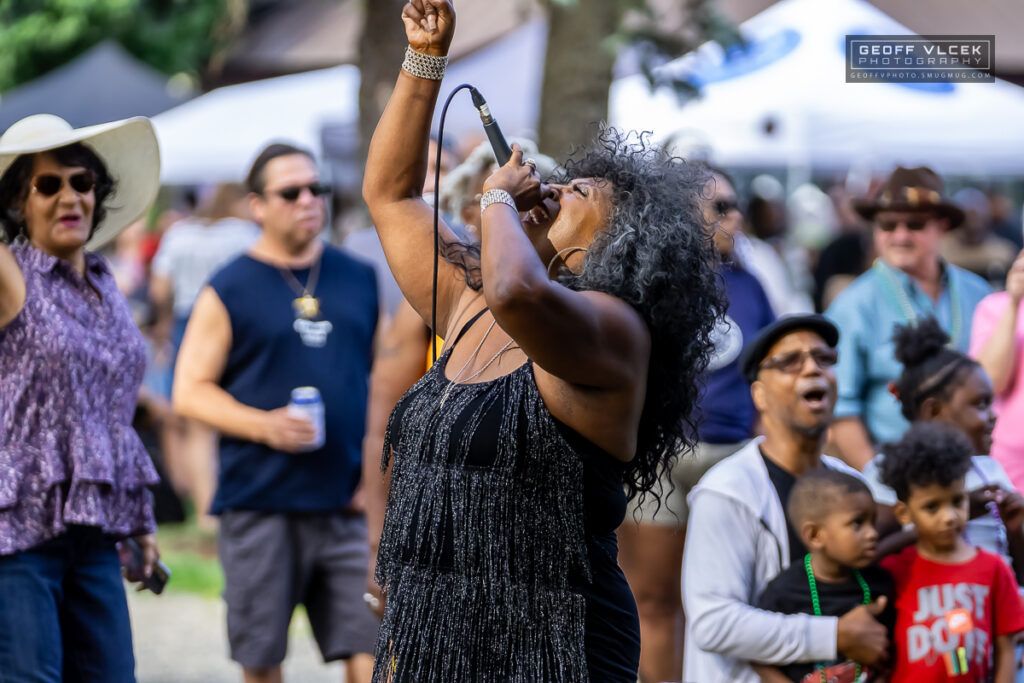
pixel 929 453
pixel 14 186
pixel 930 366
pixel 658 255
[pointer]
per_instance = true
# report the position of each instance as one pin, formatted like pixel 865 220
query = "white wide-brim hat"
pixel 128 148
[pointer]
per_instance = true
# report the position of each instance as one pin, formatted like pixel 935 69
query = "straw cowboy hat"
pixel 911 189
pixel 128 149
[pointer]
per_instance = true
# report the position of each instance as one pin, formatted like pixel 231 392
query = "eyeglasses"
pixel 913 224
pixel 724 206
pixel 793 361
pixel 290 194
pixel 49 184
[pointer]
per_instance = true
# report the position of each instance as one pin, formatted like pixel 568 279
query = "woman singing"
pixel 576 332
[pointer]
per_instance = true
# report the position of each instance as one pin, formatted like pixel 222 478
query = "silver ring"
pixel 530 162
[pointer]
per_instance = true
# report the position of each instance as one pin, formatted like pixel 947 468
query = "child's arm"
pixel 770 674
pixel 1003 657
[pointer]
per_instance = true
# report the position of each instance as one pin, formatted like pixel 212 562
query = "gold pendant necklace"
pixel 306 306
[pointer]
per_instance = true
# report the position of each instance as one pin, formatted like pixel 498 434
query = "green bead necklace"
pixel 817 605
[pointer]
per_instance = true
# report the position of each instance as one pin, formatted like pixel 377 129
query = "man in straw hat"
pixel 908 281
pixel 73 472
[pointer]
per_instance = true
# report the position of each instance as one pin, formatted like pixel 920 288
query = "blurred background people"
pixel 847 256
pixel 1005 218
pixel 940 384
pixel 365 243
pixel 189 253
pixel 973 246
pixel 763 246
pixel 291 312
pixel 741 535
pixel 997 340
pixel 908 281
pixel 652 537
pixel 74 475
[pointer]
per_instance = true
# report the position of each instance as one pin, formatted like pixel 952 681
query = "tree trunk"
pixel 577 73
pixel 381 49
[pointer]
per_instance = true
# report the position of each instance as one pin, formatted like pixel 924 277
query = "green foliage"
pixel 170 35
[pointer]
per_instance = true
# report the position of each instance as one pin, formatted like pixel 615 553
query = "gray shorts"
pixel 685 474
pixel 273 562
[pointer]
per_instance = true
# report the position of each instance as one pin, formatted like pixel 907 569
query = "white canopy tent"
pixel 215 137
pixel 784 101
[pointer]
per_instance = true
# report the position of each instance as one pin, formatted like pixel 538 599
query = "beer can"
pixel 306 402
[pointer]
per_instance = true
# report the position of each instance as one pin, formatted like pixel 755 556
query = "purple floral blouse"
pixel 71 363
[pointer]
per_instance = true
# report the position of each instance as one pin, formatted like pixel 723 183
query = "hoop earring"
pixel 560 252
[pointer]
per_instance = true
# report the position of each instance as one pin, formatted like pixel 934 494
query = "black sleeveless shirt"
pixel 499 550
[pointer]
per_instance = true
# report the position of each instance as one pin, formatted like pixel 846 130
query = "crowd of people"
pixel 614 362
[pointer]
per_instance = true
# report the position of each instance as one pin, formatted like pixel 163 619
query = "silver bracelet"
pixel 424 66
pixel 497 197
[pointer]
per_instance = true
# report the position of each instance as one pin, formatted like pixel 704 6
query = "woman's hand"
pixel 518 179
pixel 1011 510
pixel 1015 279
pixel 980 498
pixel 133 570
pixel 429 26
pixel 375 598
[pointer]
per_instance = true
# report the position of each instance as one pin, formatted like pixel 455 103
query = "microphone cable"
pixel 437 237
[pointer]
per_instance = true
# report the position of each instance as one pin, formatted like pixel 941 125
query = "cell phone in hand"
pixel 160 574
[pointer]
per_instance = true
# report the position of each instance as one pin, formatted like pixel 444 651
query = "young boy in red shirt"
pixel 957 607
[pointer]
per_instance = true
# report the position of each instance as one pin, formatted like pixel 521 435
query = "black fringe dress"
pixel 499 552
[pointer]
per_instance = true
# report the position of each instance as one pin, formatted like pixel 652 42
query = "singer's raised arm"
pixel 396 167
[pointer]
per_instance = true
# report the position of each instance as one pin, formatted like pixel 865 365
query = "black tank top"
pixel 499 550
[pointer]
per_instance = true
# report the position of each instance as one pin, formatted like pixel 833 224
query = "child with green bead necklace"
pixel 834 514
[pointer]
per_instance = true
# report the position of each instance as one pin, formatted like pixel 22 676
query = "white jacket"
pixel 736 542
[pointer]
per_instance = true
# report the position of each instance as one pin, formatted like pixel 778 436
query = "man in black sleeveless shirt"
pixel 291 313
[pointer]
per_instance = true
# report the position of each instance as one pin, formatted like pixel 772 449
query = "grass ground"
pixel 191 555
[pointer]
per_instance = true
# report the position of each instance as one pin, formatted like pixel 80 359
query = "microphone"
pixel 502 152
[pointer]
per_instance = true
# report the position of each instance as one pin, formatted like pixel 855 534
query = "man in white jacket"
pixel 739 538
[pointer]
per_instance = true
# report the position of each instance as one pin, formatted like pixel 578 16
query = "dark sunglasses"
pixel 913 224
pixel 49 184
pixel 290 194
pixel 793 362
pixel 724 206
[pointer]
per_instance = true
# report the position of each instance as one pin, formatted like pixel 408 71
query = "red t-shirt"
pixel 948 615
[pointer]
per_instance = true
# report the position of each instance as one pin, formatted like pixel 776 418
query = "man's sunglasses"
pixel 793 362
pixel 913 224
pixel 49 184
pixel 724 206
pixel 290 194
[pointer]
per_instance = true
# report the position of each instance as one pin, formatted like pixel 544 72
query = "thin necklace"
pixel 898 295
pixel 816 604
pixel 455 380
pixel 306 305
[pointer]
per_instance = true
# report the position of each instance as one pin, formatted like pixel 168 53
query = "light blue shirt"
pixel 867 313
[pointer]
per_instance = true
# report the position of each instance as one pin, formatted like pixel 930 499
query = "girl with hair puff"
pixel 942 384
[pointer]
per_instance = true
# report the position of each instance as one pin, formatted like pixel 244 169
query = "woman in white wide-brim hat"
pixel 73 473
